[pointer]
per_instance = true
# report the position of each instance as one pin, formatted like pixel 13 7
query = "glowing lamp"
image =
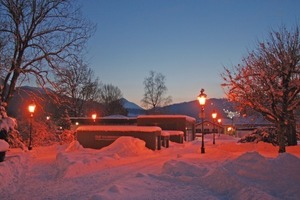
pixel 94 116
pixel 31 108
pixel 214 115
pixel 202 97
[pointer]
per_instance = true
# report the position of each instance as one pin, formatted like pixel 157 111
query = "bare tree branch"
pixel 155 90
pixel 268 81
pixel 39 37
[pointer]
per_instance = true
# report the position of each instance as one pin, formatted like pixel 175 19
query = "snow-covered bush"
pixel 3 145
pixel 66 136
pixel 261 135
pixel 44 133
pixel 9 124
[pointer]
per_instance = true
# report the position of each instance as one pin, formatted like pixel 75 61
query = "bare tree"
pixel 77 84
pixel 155 91
pixel 268 81
pixel 38 37
pixel 111 97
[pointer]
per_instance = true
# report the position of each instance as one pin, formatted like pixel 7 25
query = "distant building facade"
pixel 183 123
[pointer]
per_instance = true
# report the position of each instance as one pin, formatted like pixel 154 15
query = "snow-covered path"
pixel 37 176
pixel 128 170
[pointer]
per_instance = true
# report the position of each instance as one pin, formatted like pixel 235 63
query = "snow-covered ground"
pixel 128 170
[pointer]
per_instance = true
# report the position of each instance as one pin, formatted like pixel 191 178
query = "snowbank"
pixel 75 158
pixel 4 146
pixel 128 170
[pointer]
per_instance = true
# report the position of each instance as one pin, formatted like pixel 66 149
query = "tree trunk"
pixel 281 132
pixel 291 133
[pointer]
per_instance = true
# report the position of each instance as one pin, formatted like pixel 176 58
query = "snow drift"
pixel 128 170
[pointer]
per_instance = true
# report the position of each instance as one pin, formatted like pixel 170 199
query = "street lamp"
pixel 214 116
pixel 219 122
pixel 94 116
pixel 202 99
pixel 31 109
pixel 231 115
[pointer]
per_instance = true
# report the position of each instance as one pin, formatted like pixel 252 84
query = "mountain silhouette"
pixel 26 94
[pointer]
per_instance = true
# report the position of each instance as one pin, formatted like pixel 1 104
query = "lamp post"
pixel 214 116
pixel 219 122
pixel 202 99
pixel 231 115
pixel 31 109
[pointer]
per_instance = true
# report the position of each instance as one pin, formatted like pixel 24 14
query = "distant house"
pixel 108 120
pixel 209 127
pixel 241 126
pixel 97 137
pixel 183 123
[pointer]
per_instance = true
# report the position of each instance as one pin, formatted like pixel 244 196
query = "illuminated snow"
pixel 128 170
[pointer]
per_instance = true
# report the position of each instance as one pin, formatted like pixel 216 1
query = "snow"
pixel 128 170
pixel 115 117
pixel 8 123
pixel 172 132
pixel 4 146
pixel 129 105
pixel 187 118
pixel 120 128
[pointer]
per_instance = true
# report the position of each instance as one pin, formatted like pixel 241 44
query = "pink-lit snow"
pixel 119 128
pixel 128 170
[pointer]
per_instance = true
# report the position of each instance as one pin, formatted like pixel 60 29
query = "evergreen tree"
pixel 8 129
pixel 65 121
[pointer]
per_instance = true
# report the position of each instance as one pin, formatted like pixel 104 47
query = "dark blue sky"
pixel 189 41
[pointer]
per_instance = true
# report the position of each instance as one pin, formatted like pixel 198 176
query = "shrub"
pixel 261 135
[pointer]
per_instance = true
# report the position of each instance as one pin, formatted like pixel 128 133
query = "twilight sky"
pixel 188 41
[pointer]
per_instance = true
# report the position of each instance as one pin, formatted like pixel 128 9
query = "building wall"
pixel 170 123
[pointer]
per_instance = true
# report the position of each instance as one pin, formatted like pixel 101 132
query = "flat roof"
pixel 172 132
pixel 187 118
pixel 118 128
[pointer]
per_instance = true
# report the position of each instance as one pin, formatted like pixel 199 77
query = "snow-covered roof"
pixel 115 117
pixel 119 128
pixel 106 117
pixel 172 132
pixel 187 118
pixel 165 133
